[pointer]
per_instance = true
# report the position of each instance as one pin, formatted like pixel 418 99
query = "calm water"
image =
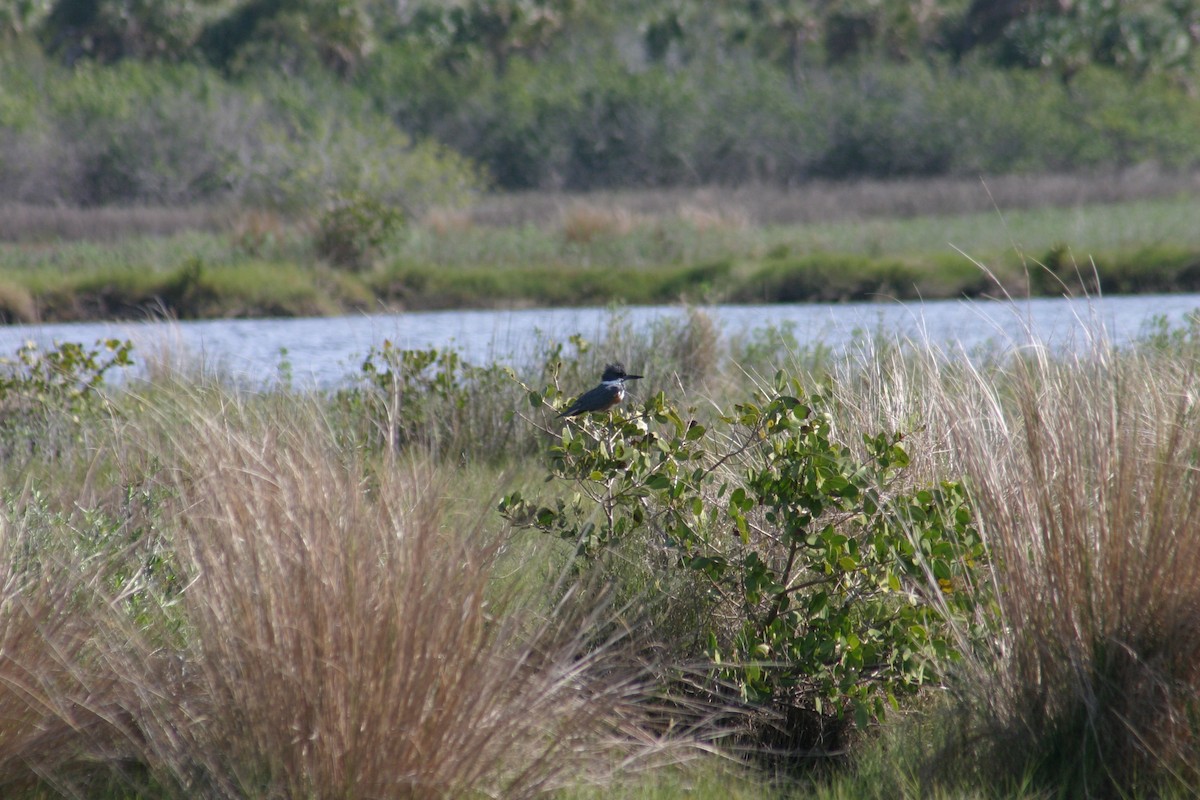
pixel 327 350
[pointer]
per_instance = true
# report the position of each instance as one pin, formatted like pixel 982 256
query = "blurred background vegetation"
pixel 416 103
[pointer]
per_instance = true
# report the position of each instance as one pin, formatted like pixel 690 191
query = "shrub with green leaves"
pixel 352 230
pixel 832 582
pixel 134 133
pixel 431 399
pixel 37 386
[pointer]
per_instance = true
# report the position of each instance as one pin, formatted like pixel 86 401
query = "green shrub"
pixel 577 122
pixel 832 584
pixel 353 228
pixel 163 134
pixel 41 387
pixel 431 400
pixel 317 137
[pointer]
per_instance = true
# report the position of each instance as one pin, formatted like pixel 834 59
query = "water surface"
pixel 327 350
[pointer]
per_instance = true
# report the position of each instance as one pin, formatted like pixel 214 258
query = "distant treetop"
pixel 1136 36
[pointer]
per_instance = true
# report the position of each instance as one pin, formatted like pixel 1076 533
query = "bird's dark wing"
pixel 592 400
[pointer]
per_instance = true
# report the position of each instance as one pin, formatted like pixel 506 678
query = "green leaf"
pixel 862 716
pixel 658 482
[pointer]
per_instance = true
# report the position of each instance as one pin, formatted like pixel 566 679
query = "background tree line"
pixel 274 101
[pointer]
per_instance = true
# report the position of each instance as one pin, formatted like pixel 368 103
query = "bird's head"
pixel 616 372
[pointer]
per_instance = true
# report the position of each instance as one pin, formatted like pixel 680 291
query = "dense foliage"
pixel 174 134
pixel 283 103
pixel 830 582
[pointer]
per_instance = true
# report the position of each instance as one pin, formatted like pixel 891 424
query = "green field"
pixel 713 246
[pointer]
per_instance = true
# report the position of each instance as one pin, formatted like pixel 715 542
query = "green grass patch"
pixel 835 277
pixel 593 255
pixel 194 290
pixel 1145 270
pixel 435 287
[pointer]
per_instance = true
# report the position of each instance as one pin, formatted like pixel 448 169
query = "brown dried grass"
pixel 706 220
pixel 583 223
pixel 326 635
pixel 1085 477
pixel 256 231
pixel 447 221
pixel 1086 480
pixel 353 646
pixel 16 304
pixel 829 201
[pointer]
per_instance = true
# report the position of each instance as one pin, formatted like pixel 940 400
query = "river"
pixel 324 351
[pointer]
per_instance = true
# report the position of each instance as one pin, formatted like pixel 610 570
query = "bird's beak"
pixel 633 377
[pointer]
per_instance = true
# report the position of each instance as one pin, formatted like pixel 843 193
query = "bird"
pixel 610 392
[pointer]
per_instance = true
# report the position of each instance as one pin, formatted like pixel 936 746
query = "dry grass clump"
pixel 583 223
pixel 349 647
pixel 445 221
pixel 705 220
pixel 16 304
pixel 284 622
pixel 1084 474
pixel 255 231
pixel 1086 481
pixel 20 222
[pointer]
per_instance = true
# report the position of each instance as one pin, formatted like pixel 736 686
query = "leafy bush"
pixel 38 386
pixel 832 585
pixel 353 229
pixel 135 133
pixel 579 122
pixel 319 138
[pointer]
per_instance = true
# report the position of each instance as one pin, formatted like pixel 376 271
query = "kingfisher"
pixel 610 392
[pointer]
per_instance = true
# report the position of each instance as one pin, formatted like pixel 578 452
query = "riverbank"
pixel 703 247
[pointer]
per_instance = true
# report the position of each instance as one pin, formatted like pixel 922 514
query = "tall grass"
pixel 287 624
pixel 56 712
pixel 875 240
pixel 1083 474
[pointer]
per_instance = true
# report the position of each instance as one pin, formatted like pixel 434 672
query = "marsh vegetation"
pixel 894 573
pixel 1131 232
pixel 777 571
pixel 247 158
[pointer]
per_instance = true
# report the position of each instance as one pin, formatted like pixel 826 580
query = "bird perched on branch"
pixel 610 392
